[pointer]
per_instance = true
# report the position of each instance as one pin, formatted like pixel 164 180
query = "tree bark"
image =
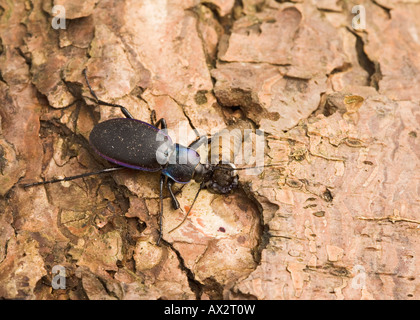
pixel 337 107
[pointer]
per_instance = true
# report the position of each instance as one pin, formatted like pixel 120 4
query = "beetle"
pixel 135 144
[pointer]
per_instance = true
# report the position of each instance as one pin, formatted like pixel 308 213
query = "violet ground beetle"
pixel 138 145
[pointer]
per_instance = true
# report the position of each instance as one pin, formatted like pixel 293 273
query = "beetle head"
pixel 218 178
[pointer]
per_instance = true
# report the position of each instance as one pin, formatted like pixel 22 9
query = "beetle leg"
pixel 162 181
pixel 175 202
pixel 153 117
pixel 198 142
pixel 98 101
pixel 162 123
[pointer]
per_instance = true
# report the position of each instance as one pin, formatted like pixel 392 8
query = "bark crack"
pixel 370 66
pixel 195 286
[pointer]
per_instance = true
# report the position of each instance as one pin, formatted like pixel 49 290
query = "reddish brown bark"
pixel 339 108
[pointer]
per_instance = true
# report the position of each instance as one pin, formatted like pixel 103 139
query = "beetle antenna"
pixel 186 216
pixel 107 170
pixel 246 168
